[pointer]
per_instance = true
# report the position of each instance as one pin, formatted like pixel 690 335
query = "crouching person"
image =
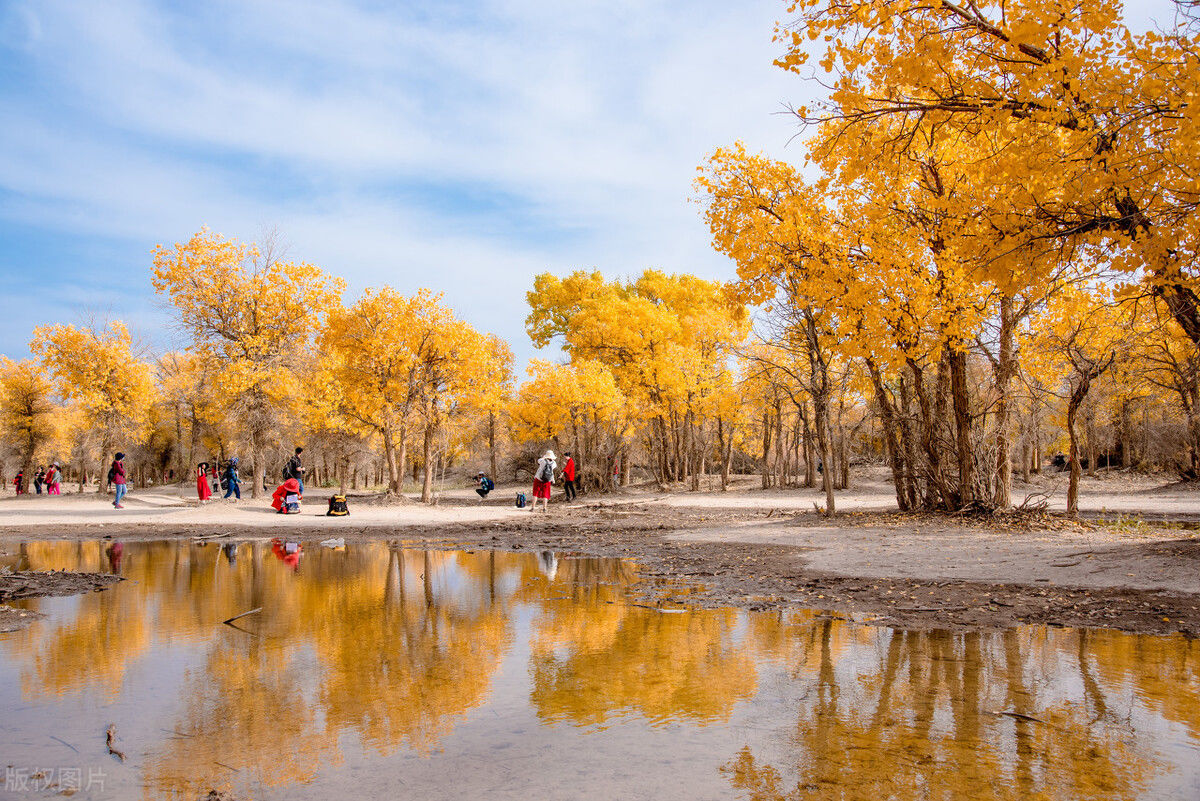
pixel 486 485
pixel 286 499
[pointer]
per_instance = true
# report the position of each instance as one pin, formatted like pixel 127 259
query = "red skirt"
pixel 541 489
pixel 203 488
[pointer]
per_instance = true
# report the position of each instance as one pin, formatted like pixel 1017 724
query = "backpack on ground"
pixel 520 500
pixel 337 506
pixel 545 472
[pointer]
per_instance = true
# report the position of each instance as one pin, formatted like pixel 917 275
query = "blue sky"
pixel 461 146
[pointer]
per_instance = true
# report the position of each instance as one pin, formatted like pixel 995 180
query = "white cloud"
pixel 583 124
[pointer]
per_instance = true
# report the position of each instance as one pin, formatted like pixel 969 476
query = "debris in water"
pixel 243 614
pixel 110 736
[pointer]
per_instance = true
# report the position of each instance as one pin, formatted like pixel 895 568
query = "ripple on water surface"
pixel 378 671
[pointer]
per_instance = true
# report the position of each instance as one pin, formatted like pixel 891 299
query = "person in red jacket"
pixel 287 552
pixel 286 499
pixel 568 475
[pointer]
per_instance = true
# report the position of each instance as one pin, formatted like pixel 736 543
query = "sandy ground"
pixel 1113 497
pixel 1132 563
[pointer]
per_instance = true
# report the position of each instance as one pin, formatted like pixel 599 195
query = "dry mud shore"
pixel 41 583
pixel 912 571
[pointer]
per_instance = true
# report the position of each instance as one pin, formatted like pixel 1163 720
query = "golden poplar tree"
pixel 254 315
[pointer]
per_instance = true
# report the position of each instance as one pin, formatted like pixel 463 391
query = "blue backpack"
pixel 520 500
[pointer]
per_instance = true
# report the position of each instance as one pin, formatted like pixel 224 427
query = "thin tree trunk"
pixel 427 457
pixel 766 450
pixel 1004 372
pixel 1073 482
pixel 389 456
pixel 492 444
pixel 260 464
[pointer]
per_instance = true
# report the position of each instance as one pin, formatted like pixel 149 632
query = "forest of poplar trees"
pixel 983 258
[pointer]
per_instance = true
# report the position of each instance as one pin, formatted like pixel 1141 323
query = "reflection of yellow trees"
pixel 1165 671
pixel 594 656
pixel 929 722
pixel 92 649
pixel 403 673
pixel 795 638
pixel 247 713
pixel 395 647
pixel 405 643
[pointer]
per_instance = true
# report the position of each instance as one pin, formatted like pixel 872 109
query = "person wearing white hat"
pixel 543 479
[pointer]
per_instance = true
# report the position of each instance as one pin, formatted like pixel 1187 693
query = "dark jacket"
pixel 294 468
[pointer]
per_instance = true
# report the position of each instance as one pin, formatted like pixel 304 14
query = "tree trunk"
pixel 822 415
pixel 389 457
pixel 962 424
pixel 891 435
pixel 766 450
pixel 1005 368
pixel 726 452
pixel 492 445
pixel 844 458
pixel 1073 482
pixel 1090 435
pixel 929 422
pixel 260 463
pixel 427 457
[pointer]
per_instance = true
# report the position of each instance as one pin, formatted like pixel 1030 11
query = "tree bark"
pixel 427 457
pixel 1073 481
pixel 260 463
pixel 1005 367
pixel 492 445
pixel 962 424
pixel 766 450
pixel 891 434
pixel 389 456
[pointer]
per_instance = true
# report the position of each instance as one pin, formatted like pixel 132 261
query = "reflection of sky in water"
pixel 381 671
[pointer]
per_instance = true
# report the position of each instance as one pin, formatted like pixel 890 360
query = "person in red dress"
pixel 543 480
pixel 203 488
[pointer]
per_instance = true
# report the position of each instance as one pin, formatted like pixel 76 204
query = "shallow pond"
pixel 375 671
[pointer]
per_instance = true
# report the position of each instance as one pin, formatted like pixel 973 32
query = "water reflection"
pixel 375 663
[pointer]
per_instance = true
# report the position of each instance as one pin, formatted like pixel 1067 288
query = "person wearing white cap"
pixel 543 479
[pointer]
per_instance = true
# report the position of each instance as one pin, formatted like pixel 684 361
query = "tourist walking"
pixel 19 482
pixel 568 477
pixel 116 477
pixel 543 479
pixel 54 480
pixel 203 488
pixel 39 478
pixel 295 470
pixel 233 483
